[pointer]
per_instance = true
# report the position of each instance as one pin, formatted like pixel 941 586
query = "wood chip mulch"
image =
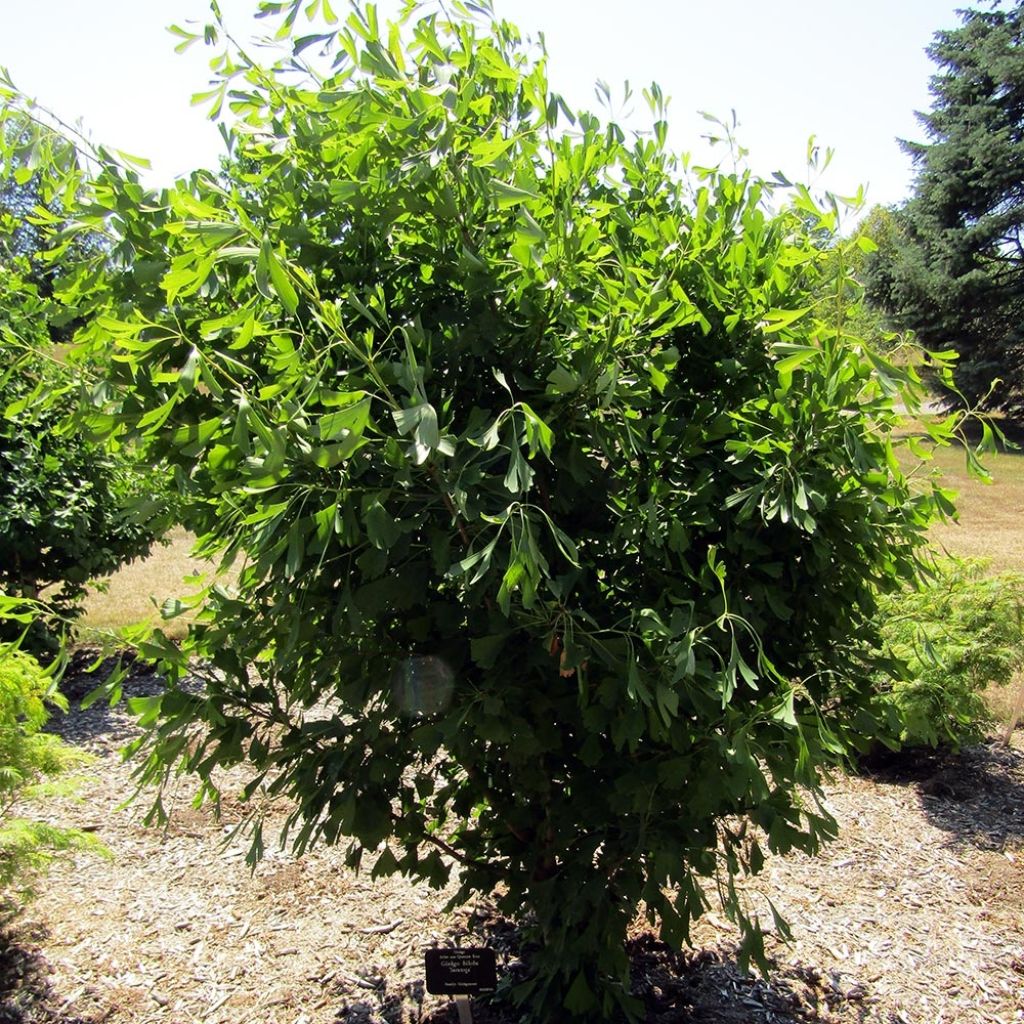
pixel 915 915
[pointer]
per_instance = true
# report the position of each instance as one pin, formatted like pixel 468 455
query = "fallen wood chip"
pixel 380 929
pixel 217 1005
pixel 361 982
pixel 80 991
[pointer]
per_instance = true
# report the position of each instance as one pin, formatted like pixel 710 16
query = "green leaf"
pixel 407 419
pixel 281 282
pixel 145 709
pixel 538 433
pixel 360 307
pixel 187 38
pixel 786 712
pixel 562 381
pixel 328 456
pixel 778 319
pixel 194 437
pixel 481 559
pixel 420 421
pixel 381 528
pixel 528 231
pixel 155 418
pixel 798 355
pixel 426 432
pixel 484 650
pixel 508 195
pixel 295 551
pixel 352 417
pixel 580 1000
pixel 187 377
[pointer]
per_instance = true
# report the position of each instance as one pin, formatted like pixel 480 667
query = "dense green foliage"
pixel 31 220
pixel 563 491
pixel 19 197
pixel 63 497
pixel 957 276
pixel 878 239
pixel 31 764
pixel 959 631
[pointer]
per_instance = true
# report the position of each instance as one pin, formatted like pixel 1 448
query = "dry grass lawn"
pixel 137 591
pixel 991 516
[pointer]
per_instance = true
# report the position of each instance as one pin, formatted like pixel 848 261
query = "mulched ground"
pixel 914 916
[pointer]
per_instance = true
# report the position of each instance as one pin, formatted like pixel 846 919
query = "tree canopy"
pixel 957 278
pixel 561 491
pixel 64 497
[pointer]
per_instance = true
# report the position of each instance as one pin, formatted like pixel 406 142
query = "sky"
pixel 852 75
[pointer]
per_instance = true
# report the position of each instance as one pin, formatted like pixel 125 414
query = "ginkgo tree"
pixel 559 492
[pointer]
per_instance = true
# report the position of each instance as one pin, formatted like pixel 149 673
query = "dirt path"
pixel 914 916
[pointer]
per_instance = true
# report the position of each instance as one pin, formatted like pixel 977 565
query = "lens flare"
pixel 422 685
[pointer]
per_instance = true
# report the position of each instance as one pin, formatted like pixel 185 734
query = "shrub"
pixel 958 632
pixel 63 497
pixel 565 499
pixel 33 764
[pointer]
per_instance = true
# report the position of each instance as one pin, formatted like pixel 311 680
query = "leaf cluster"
pixel 63 496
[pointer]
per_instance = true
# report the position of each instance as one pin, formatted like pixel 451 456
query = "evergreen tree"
pixel 956 278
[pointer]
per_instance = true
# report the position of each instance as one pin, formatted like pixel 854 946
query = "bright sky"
pixel 850 74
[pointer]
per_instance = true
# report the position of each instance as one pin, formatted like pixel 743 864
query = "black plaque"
pixel 462 972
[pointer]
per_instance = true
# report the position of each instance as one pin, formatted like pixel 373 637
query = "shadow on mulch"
pixel 85 671
pixel 101 728
pixel 977 794
pixel 26 996
pixel 694 987
pixel 388 1007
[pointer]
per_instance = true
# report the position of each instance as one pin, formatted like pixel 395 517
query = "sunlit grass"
pixel 991 516
pixel 990 521
pixel 137 591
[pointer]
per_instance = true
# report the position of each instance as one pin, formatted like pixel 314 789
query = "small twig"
pixel 71 998
pixel 451 851
pixel 217 1005
pixel 355 979
pixel 449 504
pixel 380 929
pixel 1015 715
pixel 457 519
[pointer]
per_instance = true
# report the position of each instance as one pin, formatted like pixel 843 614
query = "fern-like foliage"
pixel 33 765
pixel 958 634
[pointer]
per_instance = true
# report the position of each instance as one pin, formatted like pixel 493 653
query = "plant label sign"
pixel 464 972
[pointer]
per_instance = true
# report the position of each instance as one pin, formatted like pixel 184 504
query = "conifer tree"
pixel 956 279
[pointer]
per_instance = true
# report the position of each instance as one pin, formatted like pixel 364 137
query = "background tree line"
pixel 950 266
